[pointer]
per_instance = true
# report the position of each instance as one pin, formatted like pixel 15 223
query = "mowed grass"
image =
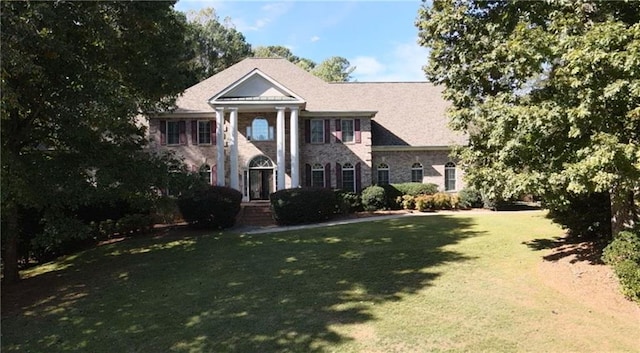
pixel 439 283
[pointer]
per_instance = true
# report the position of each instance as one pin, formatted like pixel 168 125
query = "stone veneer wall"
pixel 400 163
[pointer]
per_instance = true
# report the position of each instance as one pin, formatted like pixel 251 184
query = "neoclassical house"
pixel 265 124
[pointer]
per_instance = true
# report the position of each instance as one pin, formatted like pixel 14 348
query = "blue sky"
pixel 379 38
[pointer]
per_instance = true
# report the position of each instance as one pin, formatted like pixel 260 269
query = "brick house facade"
pixel 266 124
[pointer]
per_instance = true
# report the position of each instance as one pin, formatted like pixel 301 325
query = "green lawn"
pixel 463 282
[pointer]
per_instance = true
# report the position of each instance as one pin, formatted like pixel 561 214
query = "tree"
pixel 548 93
pixel 334 69
pixel 216 45
pixel 75 76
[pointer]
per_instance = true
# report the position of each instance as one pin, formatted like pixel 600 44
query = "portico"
pixel 227 116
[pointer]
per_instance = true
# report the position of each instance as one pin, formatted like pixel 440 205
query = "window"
pixel 205 173
pixel 347 129
pixel 383 174
pixel 204 132
pixel 317 131
pixel 416 173
pixel 260 130
pixel 173 132
pixel 317 175
pixel 348 177
pixel 449 176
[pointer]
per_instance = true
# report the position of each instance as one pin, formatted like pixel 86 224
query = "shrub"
pixel 210 206
pixel 393 197
pixel 347 202
pixel 441 201
pixel 424 203
pixel 470 198
pixel 408 202
pixel 395 192
pixel 623 254
pixel 374 198
pixel 455 201
pixel 302 205
pixel 415 189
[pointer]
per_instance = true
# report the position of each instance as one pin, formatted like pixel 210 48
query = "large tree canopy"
pixel 74 77
pixel 548 93
pixel 216 45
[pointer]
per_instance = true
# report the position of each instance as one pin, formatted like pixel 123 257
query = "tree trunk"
pixel 10 265
pixel 623 210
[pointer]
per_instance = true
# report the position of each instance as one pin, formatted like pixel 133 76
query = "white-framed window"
pixel 383 174
pixel 417 173
pixel 449 176
pixel 260 130
pixel 348 177
pixel 347 128
pixel 205 173
pixel 204 132
pixel 173 132
pixel 317 175
pixel 317 131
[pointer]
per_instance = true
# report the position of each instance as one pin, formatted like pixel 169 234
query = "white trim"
pixel 388 148
pixel 214 100
pixel 338 114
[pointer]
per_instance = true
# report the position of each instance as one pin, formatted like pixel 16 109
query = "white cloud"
pixel 269 13
pixel 367 66
pixel 315 39
pixel 402 63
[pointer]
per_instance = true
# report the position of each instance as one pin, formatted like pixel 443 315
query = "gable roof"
pixel 255 87
pixel 408 113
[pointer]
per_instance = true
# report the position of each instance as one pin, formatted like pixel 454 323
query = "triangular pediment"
pixel 256 87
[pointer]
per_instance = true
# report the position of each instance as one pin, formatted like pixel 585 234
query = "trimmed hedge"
pixel 374 198
pixel 437 201
pixel 395 192
pixel 302 205
pixel 211 207
pixel 347 202
pixel 415 189
pixel 623 254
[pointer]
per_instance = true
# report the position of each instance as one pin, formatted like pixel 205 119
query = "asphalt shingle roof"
pixel 408 113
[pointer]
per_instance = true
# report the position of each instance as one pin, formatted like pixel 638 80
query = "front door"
pixel 260 184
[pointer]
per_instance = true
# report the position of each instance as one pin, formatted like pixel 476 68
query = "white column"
pixel 220 146
pixel 233 143
pixel 280 148
pixel 293 146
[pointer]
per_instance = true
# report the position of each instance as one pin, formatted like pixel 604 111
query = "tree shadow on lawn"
pixel 569 246
pixel 278 292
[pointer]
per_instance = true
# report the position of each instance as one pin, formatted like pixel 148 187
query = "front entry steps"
pixel 255 214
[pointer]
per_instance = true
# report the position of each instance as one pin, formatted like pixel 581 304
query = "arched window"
pixel 261 162
pixel 260 130
pixel 348 177
pixel 417 173
pixel 317 175
pixel 449 176
pixel 205 173
pixel 383 174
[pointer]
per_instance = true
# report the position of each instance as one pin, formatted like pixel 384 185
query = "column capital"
pixel 281 108
pixel 219 109
pixel 231 109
